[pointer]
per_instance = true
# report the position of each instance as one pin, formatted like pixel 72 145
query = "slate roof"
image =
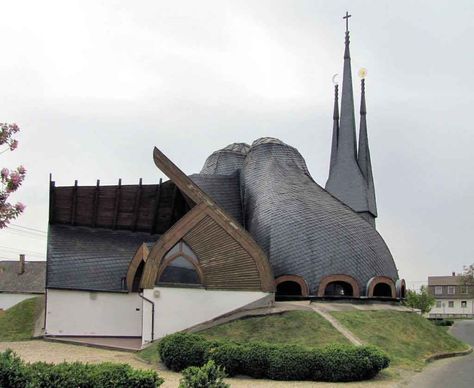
pixel 224 189
pixel 303 229
pixel 31 281
pixel 227 160
pixel 83 258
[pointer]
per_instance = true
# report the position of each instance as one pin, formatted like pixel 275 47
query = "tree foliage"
pixel 468 274
pixel 421 300
pixel 10 180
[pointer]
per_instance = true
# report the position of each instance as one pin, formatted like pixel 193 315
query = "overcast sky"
pixel 94 85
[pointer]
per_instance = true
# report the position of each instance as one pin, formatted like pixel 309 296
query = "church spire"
pixel 345 180
pixel 335 126
pixel 363 157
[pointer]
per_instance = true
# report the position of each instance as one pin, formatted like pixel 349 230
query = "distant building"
pixel 20 280
pixel 454 298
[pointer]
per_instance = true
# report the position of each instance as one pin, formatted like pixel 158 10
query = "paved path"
pixel 455 372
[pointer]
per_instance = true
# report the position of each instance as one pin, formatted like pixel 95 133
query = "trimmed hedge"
pixel 16 373
pixel 277 362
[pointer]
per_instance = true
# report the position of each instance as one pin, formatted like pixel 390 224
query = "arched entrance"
pixel 291 285
pixel 381 287
pixel 338 286
pixel 382 290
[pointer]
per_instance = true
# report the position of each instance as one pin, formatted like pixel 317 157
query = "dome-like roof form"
pixel 304 230
pixel 226 161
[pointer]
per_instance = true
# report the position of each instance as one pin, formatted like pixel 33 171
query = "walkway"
pixel 452 372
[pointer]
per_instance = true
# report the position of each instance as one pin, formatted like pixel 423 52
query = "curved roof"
pixel 303 229
pixel 227 160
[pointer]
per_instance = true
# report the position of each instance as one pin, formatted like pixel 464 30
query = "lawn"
pixel 18 322
pixel 295 327
pixel 407 337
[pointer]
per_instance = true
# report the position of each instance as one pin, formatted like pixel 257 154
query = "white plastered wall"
pixel 457 308
pixel 83 313
pixel 177 309
pixel 8 300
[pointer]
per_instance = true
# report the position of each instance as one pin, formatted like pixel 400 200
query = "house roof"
pixel 31 281
pixel 83 258
pixel 445 280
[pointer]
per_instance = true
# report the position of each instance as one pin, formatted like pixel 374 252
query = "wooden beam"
pixel 136 205
pixel 118 194
pixel 95 204
pixel 156 211
pixel 52 194
pixel 74 203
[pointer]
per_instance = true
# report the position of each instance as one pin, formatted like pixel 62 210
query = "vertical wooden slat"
pixel 156 212
pixel 136 205
pixel 95 204
pixel 118 194
pixel 52 194
pixel 74 203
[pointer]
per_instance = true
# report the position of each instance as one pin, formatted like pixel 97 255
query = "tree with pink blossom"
pixel 10 180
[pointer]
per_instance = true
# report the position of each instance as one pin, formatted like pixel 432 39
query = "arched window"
pixel 338 288
pixel 289 288
pixel 180 270
pixel 382 290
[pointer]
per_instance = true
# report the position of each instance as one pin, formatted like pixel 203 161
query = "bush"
pixel 208 376
pixel 278 362
pixel 443 322
pixel 15 373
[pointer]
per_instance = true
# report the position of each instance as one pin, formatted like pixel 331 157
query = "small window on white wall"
pixel 451 304
pixel 438 290
pixel 438 303
pixel 463 303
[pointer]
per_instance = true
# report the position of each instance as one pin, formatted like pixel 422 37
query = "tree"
pixel 420 300
pixel 10 180
pixel 467 275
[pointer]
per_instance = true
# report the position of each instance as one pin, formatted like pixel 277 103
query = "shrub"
pixel 180 350
pixel 278 362
pixel 209 376
pixel 443 322
pixel 15 373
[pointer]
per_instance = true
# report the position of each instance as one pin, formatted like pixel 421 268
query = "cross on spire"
pixel 347 20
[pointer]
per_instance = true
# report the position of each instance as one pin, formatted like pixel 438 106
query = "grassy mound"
pixel 18 322
pixel 304 328
pixel 407 337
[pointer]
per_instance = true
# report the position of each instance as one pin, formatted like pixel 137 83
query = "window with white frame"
pixel 464 290
pixel 450 304
pixel 438 303
pixel 451 290
pixel 438 290
pixel 463 303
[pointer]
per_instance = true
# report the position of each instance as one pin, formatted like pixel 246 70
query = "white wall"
pixel 177 309
pixel 8 300
pixel 457 309
pixel 82 313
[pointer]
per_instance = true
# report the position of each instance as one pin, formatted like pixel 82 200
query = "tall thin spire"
pixel 363 157
pixel 345 180
pixel 335 128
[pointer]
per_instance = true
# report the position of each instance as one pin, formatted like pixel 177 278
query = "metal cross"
pixel 347 20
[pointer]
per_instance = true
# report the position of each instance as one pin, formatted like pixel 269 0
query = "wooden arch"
pixel 377 280
pixel 140 256
pixel 339 278
pixel 294 278
pixel 229 257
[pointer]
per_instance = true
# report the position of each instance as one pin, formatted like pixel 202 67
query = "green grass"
pixel 18 322
pixel 407 337
pixel 295 327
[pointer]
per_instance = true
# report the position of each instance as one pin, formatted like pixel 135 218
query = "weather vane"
pixel 347 20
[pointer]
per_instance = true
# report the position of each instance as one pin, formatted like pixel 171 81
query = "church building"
pixel 149 260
